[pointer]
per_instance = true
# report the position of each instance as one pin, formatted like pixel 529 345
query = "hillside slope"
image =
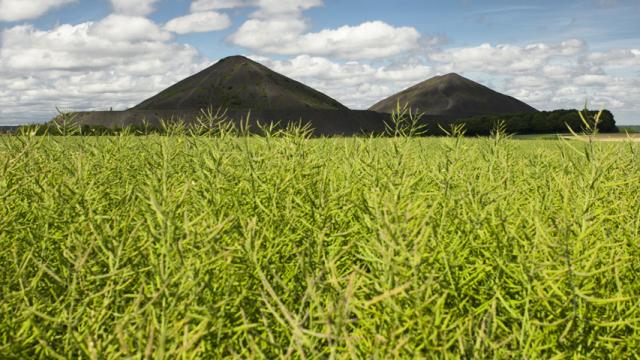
pixel 453 96
pixel 237 82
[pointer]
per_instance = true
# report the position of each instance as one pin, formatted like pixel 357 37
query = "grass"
pixel 284 247
pixel 539 136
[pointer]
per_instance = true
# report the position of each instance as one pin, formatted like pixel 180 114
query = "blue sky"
pixel 100 54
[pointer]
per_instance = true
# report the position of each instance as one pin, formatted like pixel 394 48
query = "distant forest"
pixel 543 122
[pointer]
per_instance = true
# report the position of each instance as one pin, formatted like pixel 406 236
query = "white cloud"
pixel 125 57
pixel 265 8
pixel 133 7
pixel 15 10
pixel 505 58
pixel 592 80
pixel 557 71
pixel 128 28
pixel 271 8
pixel 82 67
pixel 549 75
pixel 528 82
pixel 206 5
pixel 615 58
pixel 278 27
pixel 369 40
pixel 255 34
pixel 79 47
pixel 199 22
pixel 353 83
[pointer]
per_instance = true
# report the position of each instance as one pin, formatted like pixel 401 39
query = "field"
pixel 627 137
pixel 632 129
pixel 184 247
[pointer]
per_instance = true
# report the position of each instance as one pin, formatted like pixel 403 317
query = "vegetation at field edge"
pixel 631 129
pixel 288 247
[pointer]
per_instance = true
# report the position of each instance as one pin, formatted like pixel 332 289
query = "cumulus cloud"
pixel 549 76
pixel 369 40
pixel 278 27
pixel 546 75
pixel 618 58
pixel 15 10
pixel 268 33
pixel 271 8
pixel 199 22
pixel 80 47
pixel 355 84
pixel 265 8
pixel 86 66
pixel 506 58
pixel 125 57
pixel 206 5
pixel 134 7
pixel 592 80
pixel 128 28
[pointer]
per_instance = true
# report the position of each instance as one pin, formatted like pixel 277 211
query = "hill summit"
pixel 237 82
pixel 453 96
pixel 240 87
pixel 250 95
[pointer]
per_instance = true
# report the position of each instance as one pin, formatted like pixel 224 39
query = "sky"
pixel 77 55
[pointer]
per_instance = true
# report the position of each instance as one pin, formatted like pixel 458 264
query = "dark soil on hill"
pixel 453 97
pixel 240 83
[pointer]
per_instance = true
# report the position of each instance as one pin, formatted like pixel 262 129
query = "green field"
pixel 182 247
pixel 632 129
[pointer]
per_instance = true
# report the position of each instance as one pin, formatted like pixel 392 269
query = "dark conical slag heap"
pixel 237 82
pixel 453 96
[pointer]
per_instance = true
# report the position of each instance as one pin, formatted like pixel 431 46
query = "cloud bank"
pixel 16 10
pixel 125 57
